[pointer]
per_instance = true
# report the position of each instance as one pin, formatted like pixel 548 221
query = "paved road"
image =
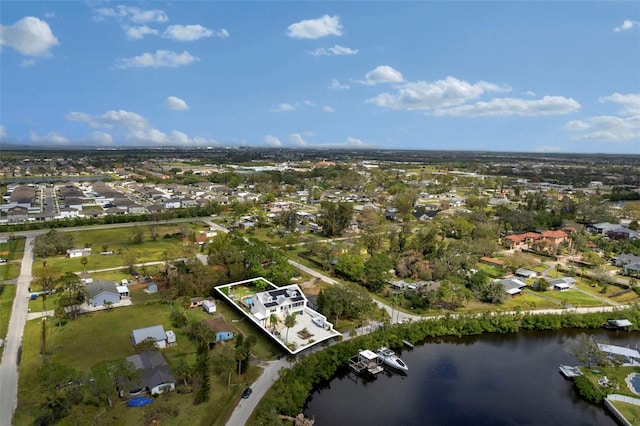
pixel 13 341
pixel 245 407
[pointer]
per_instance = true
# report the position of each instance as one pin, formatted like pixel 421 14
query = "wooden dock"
pixel 407 343
pixel 366 362
pixel 570 372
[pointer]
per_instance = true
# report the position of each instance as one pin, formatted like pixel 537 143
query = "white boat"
pixel 390 358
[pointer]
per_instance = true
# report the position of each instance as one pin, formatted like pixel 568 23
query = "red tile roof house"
pixel 537 240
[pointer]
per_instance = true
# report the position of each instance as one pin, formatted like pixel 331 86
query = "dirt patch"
pixel 310 287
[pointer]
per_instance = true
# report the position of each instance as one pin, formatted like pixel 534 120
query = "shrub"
pixel 587 389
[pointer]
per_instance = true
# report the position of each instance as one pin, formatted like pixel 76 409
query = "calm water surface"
pixel 484 380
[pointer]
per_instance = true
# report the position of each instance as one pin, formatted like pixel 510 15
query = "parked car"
pixel 246 393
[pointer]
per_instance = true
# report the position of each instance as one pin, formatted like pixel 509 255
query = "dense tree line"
pixel 289 394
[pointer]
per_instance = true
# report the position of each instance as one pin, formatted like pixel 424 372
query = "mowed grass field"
pixel 106 335
pixel 12 251
pixel 120 242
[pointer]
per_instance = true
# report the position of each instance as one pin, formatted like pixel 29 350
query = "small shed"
pixel 152 287
pixel 195 302
pixel 220 327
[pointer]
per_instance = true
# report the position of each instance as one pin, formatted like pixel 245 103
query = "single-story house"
pixel 493 262
pixel 155 376
pixel 220 327
pixel 102 291
pixel 155 332
pixel 512 286
pixel 561 284
pixel 525 273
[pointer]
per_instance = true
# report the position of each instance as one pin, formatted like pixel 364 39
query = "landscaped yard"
pixel 9 271
pixel 629 411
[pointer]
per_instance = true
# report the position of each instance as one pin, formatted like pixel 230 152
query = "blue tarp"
pixel 140 401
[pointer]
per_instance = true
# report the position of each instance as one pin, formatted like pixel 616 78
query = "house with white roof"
pixel 282 301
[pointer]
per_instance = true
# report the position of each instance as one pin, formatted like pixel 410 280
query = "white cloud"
pixel 100 138
pixel 548 105
pixel 137 33
pixel 611 128
pixel 30 36
pixel 328 108
pixel 283 107
pixel 627 25
pixel 336 85
pixel 191 32
pixel 3 132
pixel 548 148
pixel 423 95
pixel 273 141
pixel 130 13
pixel 175 103
pixel 333 51
pixel 134 129
pixel 630 102
pixel 51 137
pixel 383 74
pixel 298 140
pixel 159 59
pixel 316 28
pixel 529 93
pixel 26 63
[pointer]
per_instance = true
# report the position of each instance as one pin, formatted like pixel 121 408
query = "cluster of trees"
pixel 289 394
pixel 52 243
pixel 346 301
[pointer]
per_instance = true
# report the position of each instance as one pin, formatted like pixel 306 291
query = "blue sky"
pixel 500 76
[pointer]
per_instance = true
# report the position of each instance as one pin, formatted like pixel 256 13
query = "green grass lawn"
pixel 629 411
pixel 148 251
pixel 105 335
pixel 7 294
pixel 9 271
pixel 572 297
pixel 12 250
pixel 618 374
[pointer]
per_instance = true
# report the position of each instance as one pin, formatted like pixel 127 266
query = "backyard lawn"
pixel 105 335
pixel 573 297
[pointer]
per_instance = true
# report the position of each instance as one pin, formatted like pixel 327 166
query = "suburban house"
pixel 525 273
pixel 626 259
pixel 100 292
pixel 536 240
pixel 512 286
pixel 561 284
pixel 155 332
pixel 220 327
pixel 155 375
pixel 283 301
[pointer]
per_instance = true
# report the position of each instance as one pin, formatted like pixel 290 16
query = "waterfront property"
pixel 630 357
pixel 268 306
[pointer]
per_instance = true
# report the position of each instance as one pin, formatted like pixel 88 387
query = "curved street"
pixel 13 341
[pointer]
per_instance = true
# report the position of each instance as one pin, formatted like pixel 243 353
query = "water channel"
pixel 492 379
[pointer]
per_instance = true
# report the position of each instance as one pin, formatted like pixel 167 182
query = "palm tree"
pixel 84 262
pixel 273 320
pixel 289 321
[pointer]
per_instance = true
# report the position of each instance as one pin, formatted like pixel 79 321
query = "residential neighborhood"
pixel 202 274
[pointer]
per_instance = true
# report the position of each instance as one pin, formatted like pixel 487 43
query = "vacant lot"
pixel 119 243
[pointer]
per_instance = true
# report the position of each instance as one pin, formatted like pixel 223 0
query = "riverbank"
pixel 289 394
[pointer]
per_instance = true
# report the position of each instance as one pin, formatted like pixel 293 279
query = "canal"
pixel 491 379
